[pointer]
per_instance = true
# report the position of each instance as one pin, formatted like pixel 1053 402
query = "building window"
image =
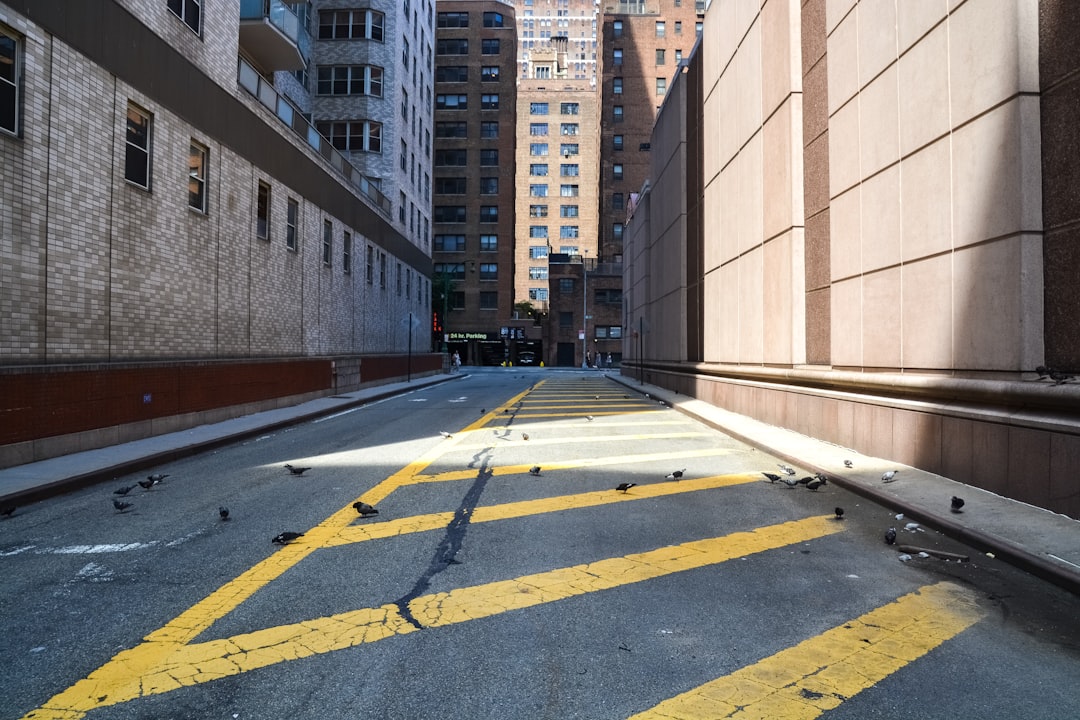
pixel 540 294
pixel 538 149
pixel 262 211
pixel 451 102
pixel 454 271
pixel 678 56
pixel 382 270
pixel 617 142
pixel 538 190
pixel 489 243
pixel 568 211
pixel 349 80
pixel 538 169
pixel 10 82
pixel 697 28
pixel 489 213
pixel 538 129
pixel 569 249
pixel 489 101
pixel 454 157
pixel 661 86
pixel 661 57
pixel 452 46
pixel 451 73
pixel 568 190
pixel 449 243
pixel 452 129
pixel 398 278
pixel 538 108
pixel 190 11
pixel 616 171
pixel 327 242
pixel 569 108
pixel 351 25
pixel 566 317
pixel 568 232
pixel 137 166
pixel 369 266
pixel 538 211
pixel 450 185
pixel 616 85
pixel 453 20
pixel 353 136
pixel 566 285
pixel 617 113
pixel 489 300
pixel 489 46
pixel 538 273
pixel 292 220
pixel 568 128
pixel 678 27
pixel 661 28
pixel 617 232
pixel 617 29
pixel 617 201
pixel 489 129
pixel 489 73
pixel 538 232
pixel 489 185
pixel 489 271
pixel 569 170
pixel 616 56
pixel 489 157
pixel 346 253
pixel 538 251
pixel 197 167
pixel 448 214
pixel 493 20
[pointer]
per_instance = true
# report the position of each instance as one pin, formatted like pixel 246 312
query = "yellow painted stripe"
pixel 818 674
pixel 197 663
pixel 580 439
pixel 524 508
pixel 565 464
pixel 628 411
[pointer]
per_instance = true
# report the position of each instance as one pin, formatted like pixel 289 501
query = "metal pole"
pixel 584 313
pixel 409 378
pixel 641 349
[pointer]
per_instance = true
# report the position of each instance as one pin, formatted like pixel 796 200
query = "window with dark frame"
pixel 137 166
pixel 346 253
pixel 262 211
pixel 369 265
pixel 292 220
pixel 351 25
pixel 327 243
pixel 10 82
pixel 197 166
pixel 190 11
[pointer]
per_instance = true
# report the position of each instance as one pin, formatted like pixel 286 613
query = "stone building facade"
pixel 165 207
pixel 864 214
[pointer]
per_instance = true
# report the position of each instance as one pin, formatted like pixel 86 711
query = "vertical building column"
pixel 816 181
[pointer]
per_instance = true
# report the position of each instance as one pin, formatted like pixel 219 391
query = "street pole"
pixel 584 313
pixel 409 378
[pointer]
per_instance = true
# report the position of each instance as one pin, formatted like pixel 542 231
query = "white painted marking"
pixel 16 551
pixel 1061 559
pixel 94 549
pixel 335 415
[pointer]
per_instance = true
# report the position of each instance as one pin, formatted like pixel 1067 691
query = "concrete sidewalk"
pixel 1040 542
pixel 26 483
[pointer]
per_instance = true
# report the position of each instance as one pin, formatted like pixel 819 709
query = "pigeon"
pixel 789 481
pixel 786 469
pixel 445 434
pixel 7 511
pixel 223 512
pixel 588 418
pixel 148 483
pixel 483 410
pixel 913 527
pixel 890 536
pixel 157 477
pixel 597 397
pixel 847 463
pixel 889 476
pixel 286 537
pixel 956 504
pixel 623 487
pixel 296 470
pixel 524 436
pixel 535 470
pixel 120 505
pixel 772 477
pixel 676 475
pixel 804 480
pixel 364 509
pixel 839 513
pixel 815 483
pixel 1043 372
pixel 124 490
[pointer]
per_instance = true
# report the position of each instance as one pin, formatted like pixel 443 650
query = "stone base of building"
pixel 51 411
pixel 1017 438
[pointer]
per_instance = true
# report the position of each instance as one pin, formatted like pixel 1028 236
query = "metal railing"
pixel 250 79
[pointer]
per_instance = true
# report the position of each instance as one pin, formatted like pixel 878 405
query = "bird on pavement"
pixel 956 504
pixel 889 476
pixel 790 481
pixel 676 474
pixel 296 470
pixel 588 418
pixel 124 490
pixel 148 483
pixel 804 480
pixel 786 469
pixel 445 434
pixel 223 512
pixel 364 509
pixel 157 477
pixel 847 463
pixel 7 511
pixel 535 470
pixel 839 513
pixel 120 505
pixel 815 483
pixel 623 487
pixel 286 537
pixel 524 436
pixel 890 536
pixel 772 477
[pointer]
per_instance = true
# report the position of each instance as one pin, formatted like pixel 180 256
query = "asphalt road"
pixel 483 591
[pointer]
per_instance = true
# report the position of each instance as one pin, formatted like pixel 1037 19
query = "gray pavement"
pixel 1037 541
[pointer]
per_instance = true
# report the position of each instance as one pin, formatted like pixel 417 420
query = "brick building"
pixel 584 324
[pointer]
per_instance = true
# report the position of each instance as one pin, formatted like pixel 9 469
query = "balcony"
pixel 272 36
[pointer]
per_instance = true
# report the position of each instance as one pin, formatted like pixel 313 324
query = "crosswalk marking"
pixel 818 674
